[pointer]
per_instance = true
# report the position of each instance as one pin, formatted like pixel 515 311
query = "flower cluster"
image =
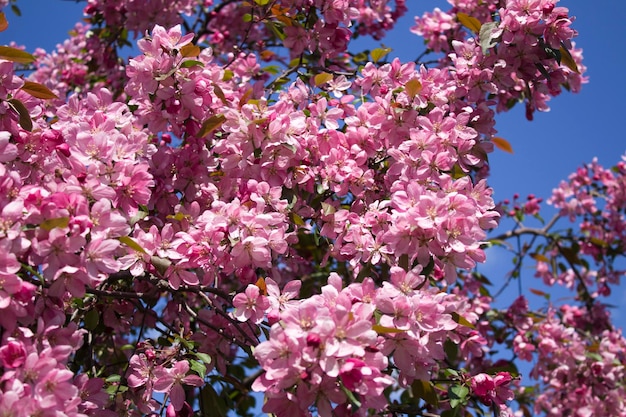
pixel 163 218
pixel 519 52
pixel 578 371
pixel 333 349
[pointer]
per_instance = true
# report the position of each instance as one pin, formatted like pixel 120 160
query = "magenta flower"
pixel 12 354
pixel 492 389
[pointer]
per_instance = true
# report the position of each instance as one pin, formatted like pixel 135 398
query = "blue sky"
pixel 546 150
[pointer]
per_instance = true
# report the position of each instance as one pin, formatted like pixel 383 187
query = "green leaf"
pixel 140 215
pixel 297 219
pixel 386 330
pixel 360 57
pixel 568 60
pixel 426 391
pixel 469 22
pixel 599 242
pixel 113 378
pixel 228 75
pixel 507 367
pixel 451 413
pixel 379 53
pixel 54 223
pixel 461 320
pixel 198 367
pixel 322 78
pixel 16 10
pixel 92 319
pixel 204 357
pixel 18 107
pixel 571 254
pixel 191 63
pixel 352 397
pixel 16 55
pixel 276 30
pixel 457 172
pixel 211 404
pixel 458 395
pixel 451 350
pixel 131 243
pixel 327 209
pixel 262 2
pixel 211 124
pixel 38 90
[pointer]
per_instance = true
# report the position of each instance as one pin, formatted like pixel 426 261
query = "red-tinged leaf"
pixel 38 90
pixel 568 60
pixel 469 22
pixel 220 94
pixel 4 24
pixel 267 55
pixel 426 391
pixel 322 78
pixel 18 107
pixel 540 293
pixel 211 124
pixel 385 330
pixel 262 286
pixel 502 144
pixel 190 50
pixel 413 87
pixel 50 224
pixel 540 257
pixel 245 98
pixel 16 55
pixel 131 243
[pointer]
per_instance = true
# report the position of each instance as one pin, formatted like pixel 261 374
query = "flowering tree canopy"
pixel 250 215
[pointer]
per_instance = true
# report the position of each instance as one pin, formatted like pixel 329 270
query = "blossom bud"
pixel 313 340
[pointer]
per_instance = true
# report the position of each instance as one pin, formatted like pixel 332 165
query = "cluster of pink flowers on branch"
pixel 521 51
pixel 577 353
pixel 163 218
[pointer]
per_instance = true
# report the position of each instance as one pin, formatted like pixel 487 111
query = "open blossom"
pixel 492 389
pixel 171 381
pixel 250 304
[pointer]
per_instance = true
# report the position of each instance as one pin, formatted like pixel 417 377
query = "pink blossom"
pixel 171 381
pixel 251 304
pixel 12 354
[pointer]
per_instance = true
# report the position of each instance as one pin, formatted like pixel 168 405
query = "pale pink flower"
pixel 250 305
pixel 171 381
